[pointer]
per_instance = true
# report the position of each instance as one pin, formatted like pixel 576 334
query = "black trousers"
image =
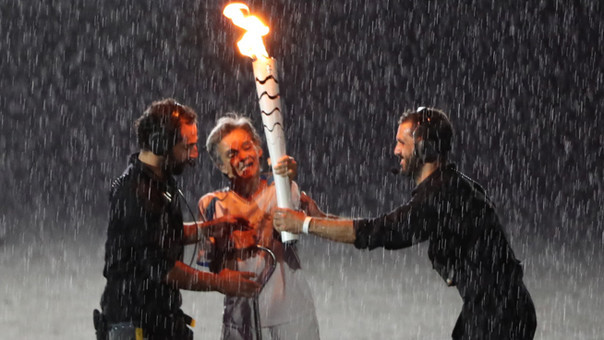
pixel 496 316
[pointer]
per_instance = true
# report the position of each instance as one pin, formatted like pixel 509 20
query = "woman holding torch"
pixel 285 303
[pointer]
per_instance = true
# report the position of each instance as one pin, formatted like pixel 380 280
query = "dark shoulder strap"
pixel 211 209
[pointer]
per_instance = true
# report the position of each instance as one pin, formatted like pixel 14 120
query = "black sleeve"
pixel 137 235
pixel 408 224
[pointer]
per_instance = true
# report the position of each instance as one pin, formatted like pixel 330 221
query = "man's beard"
pixel 178 168
pixel 413 165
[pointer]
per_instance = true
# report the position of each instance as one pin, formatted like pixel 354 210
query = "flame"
pixel 251 43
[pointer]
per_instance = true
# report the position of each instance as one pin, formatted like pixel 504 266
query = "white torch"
pixel 269 99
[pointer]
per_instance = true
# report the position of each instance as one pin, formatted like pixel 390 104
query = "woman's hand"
pixel 286 166
pixel 310 207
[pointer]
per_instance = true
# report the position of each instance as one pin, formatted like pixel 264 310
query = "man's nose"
pixel 397 150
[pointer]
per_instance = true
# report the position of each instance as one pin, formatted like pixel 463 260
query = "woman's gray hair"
pixel 225 125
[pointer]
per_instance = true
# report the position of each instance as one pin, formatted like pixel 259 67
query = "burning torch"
pixel 267 88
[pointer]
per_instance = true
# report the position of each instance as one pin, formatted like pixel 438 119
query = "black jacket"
pixel 467 247
pixel 144 240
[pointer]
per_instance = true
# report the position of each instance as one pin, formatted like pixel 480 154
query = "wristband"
pixel 306 224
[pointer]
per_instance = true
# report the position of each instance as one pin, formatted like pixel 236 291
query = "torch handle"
pixel 269 99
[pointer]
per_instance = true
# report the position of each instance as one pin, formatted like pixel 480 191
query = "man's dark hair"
pixel 158 127
pixel 433 126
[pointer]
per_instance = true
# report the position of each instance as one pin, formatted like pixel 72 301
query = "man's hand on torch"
pixel 287 165
pixel 288 220
pixel 296 222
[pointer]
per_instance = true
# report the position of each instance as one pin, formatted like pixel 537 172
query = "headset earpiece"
pixel 425 145
pixel 428 153
pixel 163 140
pixel 155 143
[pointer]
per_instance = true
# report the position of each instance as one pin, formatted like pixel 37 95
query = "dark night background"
pixel 522 82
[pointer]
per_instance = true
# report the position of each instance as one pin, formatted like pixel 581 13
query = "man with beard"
pixel 284 307
pixel 467 244
pixel 146 235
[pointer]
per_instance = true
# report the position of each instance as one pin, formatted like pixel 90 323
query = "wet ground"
pixel 50 285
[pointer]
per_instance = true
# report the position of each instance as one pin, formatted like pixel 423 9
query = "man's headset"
pixel 164 135
pixel 427 143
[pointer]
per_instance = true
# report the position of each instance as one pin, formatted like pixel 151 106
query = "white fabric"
pixel 306 224
pixel 303 328
pixel 286 296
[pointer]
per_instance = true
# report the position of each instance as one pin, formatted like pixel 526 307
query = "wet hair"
pixel 433 125
pixel 225 125
pixel 162 120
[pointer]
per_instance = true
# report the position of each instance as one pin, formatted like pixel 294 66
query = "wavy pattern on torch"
pixel 273 129
pixel 266 79
pixel 270 113
pixel 266 93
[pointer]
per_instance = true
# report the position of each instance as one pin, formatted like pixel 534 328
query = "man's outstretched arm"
pixel 339 230
pixel 218 227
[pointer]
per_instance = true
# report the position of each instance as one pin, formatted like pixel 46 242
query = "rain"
pixel 523 83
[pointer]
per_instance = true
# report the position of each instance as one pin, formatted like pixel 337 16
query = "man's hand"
pixel 286 166
pixel 218 228
pixel 243 239
pixel 226 225
pixel 234 283
pixel 288 220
